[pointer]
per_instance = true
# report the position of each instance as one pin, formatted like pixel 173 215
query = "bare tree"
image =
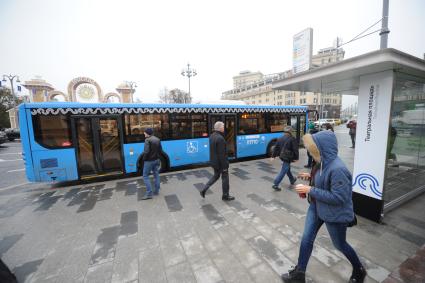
pixel 174 96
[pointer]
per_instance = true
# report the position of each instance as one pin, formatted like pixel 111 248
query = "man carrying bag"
pixel 287 149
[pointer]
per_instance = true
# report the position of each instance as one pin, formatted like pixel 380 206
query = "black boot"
pixel 227 198
pixel 203 193
pixel 358 275
pixel 294 276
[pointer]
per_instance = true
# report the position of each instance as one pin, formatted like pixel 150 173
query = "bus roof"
pixel 152 105
pixel 119 108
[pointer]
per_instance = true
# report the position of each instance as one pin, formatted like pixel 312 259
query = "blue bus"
pixel 76 141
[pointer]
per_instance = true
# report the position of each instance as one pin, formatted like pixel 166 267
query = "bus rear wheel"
pixel 270 148
pixel 163 165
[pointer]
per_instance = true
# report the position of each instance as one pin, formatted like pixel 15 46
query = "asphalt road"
pixel 12 170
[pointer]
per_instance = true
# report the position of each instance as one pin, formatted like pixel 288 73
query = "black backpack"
pixel 285 153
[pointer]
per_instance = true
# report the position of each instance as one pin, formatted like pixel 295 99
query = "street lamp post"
pixel 11 78
pixel 189 72
pixel 132 86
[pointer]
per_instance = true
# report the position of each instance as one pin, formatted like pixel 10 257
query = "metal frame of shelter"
pixel 371 76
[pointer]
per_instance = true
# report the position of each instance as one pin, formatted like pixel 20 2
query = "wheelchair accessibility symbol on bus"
pixel 192 147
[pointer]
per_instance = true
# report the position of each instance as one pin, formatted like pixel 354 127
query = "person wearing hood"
pixel 331 203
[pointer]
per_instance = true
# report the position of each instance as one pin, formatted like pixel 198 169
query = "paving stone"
pixel 105 245
pixel 192 245
pixel 209 237
pixel 7 242
pixel 272 255
pixel 212 214
pixel 129 224
pixel 180 272
pixel 173 203
pixel 126 262
pixel 240 248
pixel 263 273
pixel 151 266
pixel 25 271
pixel 229 267
pixel 204 270
pixel 99 273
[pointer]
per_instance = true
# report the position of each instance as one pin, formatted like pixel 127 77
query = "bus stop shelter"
pixel 389 161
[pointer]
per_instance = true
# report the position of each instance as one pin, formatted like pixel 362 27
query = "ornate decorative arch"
pixel 54 93
pixel 110 94
pixel 72 87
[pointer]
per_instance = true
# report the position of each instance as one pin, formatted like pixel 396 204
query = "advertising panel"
pixel 302 50
pixel 375 94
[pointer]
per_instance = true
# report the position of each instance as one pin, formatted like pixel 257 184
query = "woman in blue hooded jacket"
pixel 330 203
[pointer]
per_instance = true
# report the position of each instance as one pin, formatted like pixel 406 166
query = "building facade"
pixel 81 89
pixel 253 89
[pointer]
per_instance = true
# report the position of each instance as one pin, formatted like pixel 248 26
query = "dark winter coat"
pixel 218 151
pixel 290 143
pixel 152 149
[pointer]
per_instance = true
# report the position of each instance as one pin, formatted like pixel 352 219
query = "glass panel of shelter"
pixel 406 139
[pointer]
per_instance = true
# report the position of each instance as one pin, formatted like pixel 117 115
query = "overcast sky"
pixel 151 41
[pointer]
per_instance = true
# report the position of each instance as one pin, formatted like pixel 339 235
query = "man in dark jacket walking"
pixel 218 161
pixel 287 149
pixel 151 162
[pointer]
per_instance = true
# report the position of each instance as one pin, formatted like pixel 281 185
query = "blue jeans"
pixel 337 231
pixel 151 166
pixel 286 169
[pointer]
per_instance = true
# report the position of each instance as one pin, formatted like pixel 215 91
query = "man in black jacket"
pixel 218 161
pixel 287 149
pixel 151 163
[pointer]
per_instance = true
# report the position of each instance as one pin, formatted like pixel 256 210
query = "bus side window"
pixel 52 131
pixel 135 125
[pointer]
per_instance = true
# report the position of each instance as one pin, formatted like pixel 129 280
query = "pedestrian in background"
pixel 312 130
pixel 151 163
pixel 331 203
pixel 219 161
pixel 287 149
pixel 352 125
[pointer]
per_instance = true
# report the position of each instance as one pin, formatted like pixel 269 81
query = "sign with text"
pixel 302 50
pixel 375 93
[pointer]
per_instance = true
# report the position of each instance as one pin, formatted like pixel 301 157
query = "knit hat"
pixel 149 131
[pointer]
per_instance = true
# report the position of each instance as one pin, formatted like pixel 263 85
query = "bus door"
pixel 297 123
pixel 229 121
pixel 98 141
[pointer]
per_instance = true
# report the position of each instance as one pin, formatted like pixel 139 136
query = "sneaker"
pixel 358 275
pixel 276 188
pixel 155 193
pixel 146 196
pixel 294 276
pixel 227 198
pixel 293 182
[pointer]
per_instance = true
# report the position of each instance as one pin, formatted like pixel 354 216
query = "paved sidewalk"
pixel 104 232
